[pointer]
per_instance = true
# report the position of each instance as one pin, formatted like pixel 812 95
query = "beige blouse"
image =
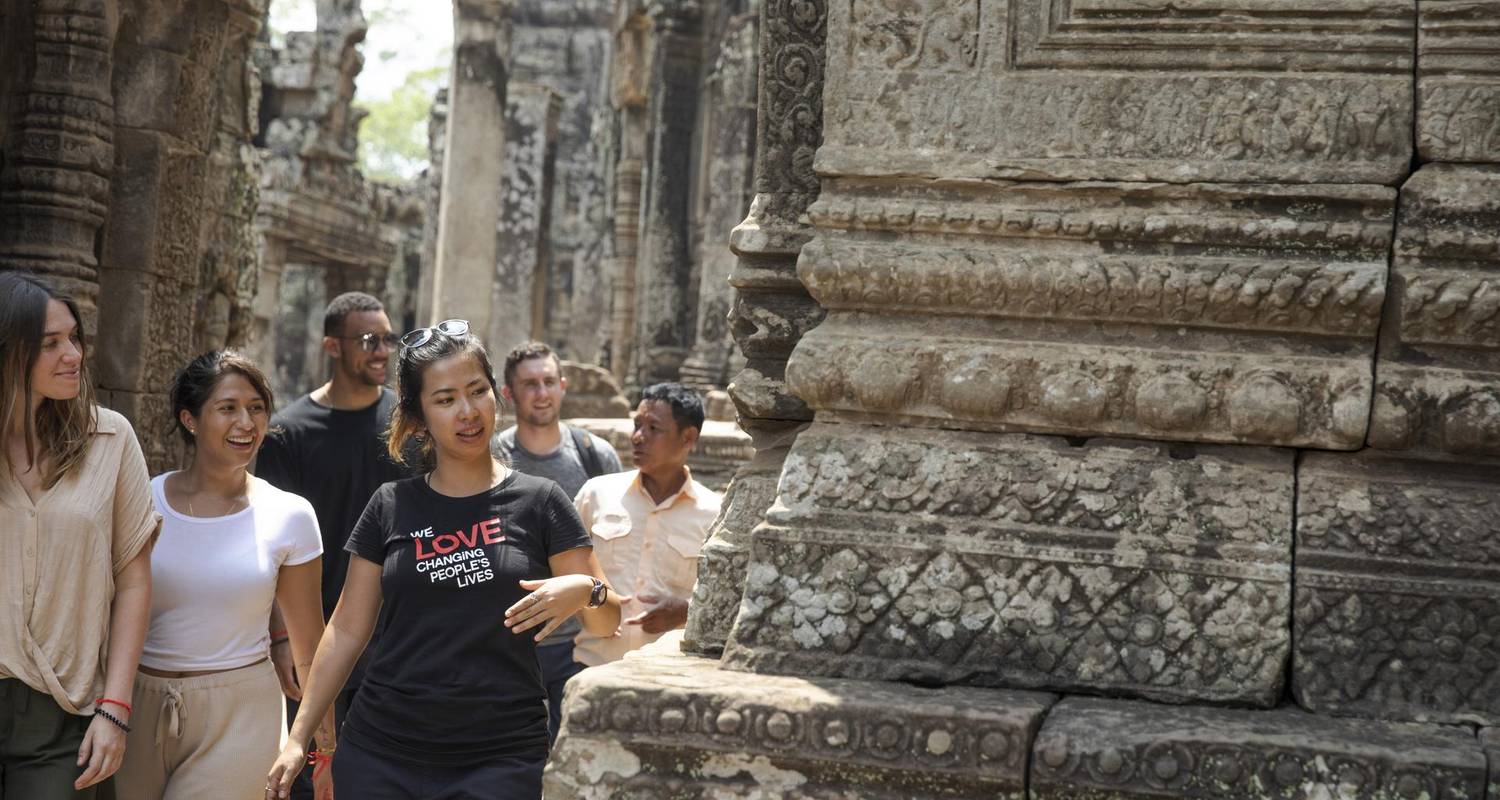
pixel 62 553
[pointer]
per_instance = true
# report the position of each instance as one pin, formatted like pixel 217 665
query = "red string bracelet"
pixel 120 703
pixel 278 634
pixel 321 761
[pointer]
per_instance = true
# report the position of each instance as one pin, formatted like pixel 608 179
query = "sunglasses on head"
pixel 370 342
pixel 452 328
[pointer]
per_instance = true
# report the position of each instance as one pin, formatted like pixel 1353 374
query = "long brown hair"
pixel 60 430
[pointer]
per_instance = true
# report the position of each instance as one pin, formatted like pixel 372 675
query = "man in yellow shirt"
pixel 648 524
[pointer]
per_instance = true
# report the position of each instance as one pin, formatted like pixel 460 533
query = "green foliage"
pixel 393 138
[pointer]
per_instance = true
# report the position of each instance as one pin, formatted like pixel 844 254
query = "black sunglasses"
pixel 452 328
pixel 370 342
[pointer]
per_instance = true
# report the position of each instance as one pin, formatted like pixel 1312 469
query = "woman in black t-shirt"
pixel 467 568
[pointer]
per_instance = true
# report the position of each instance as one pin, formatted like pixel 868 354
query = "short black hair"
pixel 524 352
pixel 687 405
pixel 344 305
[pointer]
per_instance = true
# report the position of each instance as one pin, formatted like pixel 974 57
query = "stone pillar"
pixel 771 309
pixel 474 164
pixel 432 197
pixel 666 286
pixel 58 141
pixel 725 189
pixel 522 249
pixel 628 96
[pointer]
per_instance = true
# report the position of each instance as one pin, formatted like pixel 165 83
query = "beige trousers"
pixel 212 736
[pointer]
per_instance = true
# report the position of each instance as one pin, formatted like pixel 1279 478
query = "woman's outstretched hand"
pixel 550 603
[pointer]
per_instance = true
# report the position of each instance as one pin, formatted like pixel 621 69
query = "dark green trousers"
pixel 38 746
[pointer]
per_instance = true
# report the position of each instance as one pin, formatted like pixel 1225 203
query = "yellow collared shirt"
pixel 645 548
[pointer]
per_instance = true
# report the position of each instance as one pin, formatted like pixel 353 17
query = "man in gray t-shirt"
pixel 539 444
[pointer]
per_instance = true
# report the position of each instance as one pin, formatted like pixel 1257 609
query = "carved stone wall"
pixel 124 121
pixel 1159 361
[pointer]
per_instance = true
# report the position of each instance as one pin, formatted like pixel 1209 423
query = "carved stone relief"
pixel 1046 89
pixel 1438 386
pixel 1458 80
pixel 1397 610
pixel 1121 750
pixel 651 726
pixel 1210 313
pixel 1023 561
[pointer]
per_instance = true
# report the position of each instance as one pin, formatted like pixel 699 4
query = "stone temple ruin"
pixel 1125 379
pixel 1123 375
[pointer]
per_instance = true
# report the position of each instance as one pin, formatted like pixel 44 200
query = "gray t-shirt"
pixel 565 466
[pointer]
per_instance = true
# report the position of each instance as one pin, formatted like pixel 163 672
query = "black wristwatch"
pixel 599 594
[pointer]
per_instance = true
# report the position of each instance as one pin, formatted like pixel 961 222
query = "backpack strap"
pixel 592 465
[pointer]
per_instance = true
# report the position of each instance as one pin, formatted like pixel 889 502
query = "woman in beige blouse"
pixel 76 527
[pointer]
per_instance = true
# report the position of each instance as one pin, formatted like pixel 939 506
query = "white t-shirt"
pixel 213 579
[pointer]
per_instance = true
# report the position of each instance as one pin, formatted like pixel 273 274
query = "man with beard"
pixel 539 444
pixel 328 446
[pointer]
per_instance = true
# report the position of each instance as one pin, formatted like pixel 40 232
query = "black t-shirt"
pixel 336 459
pixel 447 682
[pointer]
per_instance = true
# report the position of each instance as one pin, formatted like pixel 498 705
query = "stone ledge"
pixel 1114 750
pixel 663 724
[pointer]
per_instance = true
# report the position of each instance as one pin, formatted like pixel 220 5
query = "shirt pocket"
pixel 683 545
pixel 608 533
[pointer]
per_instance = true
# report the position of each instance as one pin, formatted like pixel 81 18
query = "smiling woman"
pixel 77 532
pixel 231 545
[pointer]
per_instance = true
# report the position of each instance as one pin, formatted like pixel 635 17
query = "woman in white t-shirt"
pixel 208 714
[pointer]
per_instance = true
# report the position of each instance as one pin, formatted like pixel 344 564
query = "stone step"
pixel 661 724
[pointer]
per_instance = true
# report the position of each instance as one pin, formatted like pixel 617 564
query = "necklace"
pixel 233 507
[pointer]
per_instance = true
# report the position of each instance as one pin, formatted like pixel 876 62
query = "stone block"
pixel 1122 750
pixel 1237 91
pixel 1438 386
pixel 1458 80
pixel 661 724
pixel 1397 606
pixel 1218 313
pixel 1154 570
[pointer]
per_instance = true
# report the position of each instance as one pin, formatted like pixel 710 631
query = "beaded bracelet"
pixel 99 712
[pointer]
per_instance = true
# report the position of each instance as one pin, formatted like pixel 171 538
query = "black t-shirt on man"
pixel 448 683
pixel 336 459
